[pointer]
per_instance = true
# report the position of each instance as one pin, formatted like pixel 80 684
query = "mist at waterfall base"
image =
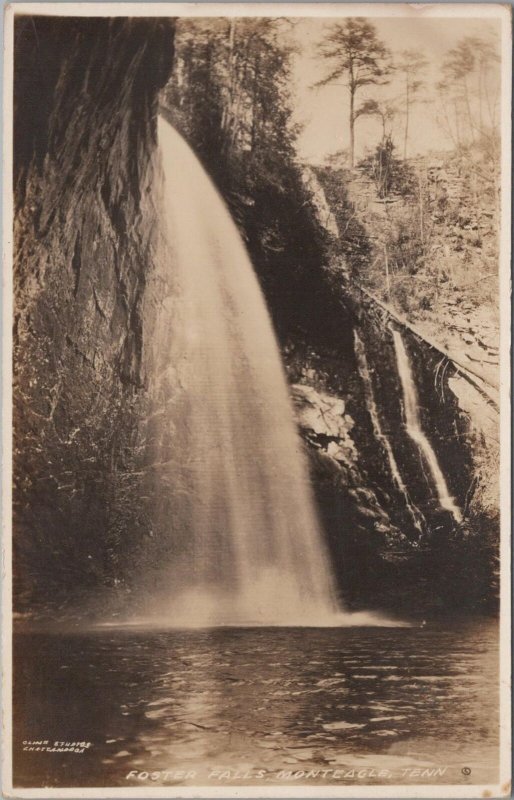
pixel 243 544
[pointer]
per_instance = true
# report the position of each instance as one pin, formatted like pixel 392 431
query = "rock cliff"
pixel 84 131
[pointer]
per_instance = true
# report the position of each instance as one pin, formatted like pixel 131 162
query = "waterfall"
pixel 245 545
pixel 415 431
pixel 362 363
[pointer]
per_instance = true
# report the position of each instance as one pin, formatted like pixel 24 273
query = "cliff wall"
pixel 84 132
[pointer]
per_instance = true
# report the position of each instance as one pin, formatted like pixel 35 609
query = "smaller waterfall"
pixel 362 363
pixel 413 427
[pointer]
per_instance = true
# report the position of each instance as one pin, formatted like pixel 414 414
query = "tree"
pixel 410 66
pixel 231 86
pixel 457 69
pixel 389 174
pixel 469 96
pixel 469 90
pixel 386 110
pixel 359 58
pixel 229 89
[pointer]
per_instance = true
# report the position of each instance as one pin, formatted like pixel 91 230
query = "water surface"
pixel 259 705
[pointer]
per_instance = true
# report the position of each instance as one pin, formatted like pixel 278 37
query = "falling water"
pixel 362 363
pixel 413 426
pixel 245 543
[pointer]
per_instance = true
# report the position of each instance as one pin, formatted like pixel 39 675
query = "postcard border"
pixel 204 9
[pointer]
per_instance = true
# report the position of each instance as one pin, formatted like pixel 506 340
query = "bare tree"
pixel 411 64
pixel 359 57
pixel 469 95
pixel 469 84
pixel 457 70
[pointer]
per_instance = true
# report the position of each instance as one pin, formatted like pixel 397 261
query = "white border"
pixel 7 380
pixel 505 298
pixel 486 11
pixel 206 9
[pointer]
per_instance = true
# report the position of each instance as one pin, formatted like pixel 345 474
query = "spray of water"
pixel 415 431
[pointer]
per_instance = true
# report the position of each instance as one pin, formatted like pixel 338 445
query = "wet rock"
pixel 323 419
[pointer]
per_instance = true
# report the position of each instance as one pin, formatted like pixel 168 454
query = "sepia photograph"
pixel 256 400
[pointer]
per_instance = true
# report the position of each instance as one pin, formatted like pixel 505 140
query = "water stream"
pixel 415 431
pixel 363 367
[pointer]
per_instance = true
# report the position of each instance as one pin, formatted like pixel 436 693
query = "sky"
pixel 324 111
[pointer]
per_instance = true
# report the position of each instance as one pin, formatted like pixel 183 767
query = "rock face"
pixel 393 543
pixel 323 420
pixel 85 106
pixel 412 516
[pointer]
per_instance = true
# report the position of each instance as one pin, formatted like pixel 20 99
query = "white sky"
pixel 324 111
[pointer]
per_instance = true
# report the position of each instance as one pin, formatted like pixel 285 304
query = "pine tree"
pixel 359 59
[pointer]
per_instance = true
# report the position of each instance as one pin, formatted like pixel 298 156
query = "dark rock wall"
pixel 84 134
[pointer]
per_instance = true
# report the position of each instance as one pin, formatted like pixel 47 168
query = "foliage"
pixel 231 89
pixel 82 498
pixel 386 110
